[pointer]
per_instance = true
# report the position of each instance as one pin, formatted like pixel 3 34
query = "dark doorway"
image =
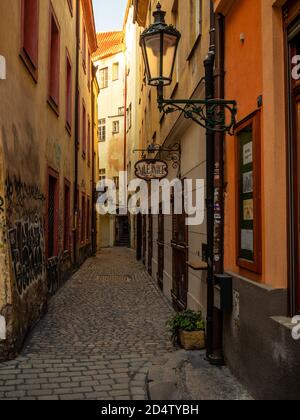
pixel 122 231
pixel 293 41
pixel 161 249
pixel 139 237
pixel 180 259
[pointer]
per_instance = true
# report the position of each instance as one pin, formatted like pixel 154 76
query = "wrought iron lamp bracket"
pixel 170 154
pixel 215 115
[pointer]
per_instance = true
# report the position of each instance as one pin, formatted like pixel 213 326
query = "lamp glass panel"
pixel 152 44
pixel 169 52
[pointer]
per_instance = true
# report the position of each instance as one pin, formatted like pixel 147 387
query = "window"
pixel 116 127
pixel 83 219
pixel 196 19
pixel 121 111
pixel 104 78
pixel 249 194
pixel 129 117
pixel 115 71
pixel 102 129
pixel 30 35
pixel 67 217
pixel 102 174
pixel 89 142
pixel 68 93
pixel 83 46
pixel 89 69
pixel 54 62
pixel 88 219
pixel 52 214
pixel 83 130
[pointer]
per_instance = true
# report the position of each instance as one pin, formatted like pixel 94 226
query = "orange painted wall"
pixel 244 83
pixel 256 67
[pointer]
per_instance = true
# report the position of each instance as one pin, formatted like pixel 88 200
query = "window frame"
pixel 53 102
pixel 118 124
pixel 69 102
pixel 103 81
pixel 254 266
pixel 114 65
pixel 102 126
pixel 29 61
pixel 83 129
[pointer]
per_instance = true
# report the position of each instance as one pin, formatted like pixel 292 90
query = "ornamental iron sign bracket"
pixel 170 154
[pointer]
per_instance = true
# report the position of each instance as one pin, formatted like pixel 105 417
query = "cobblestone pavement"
pixel 99 338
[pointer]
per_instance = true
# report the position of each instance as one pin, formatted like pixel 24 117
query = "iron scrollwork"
pixel 215 115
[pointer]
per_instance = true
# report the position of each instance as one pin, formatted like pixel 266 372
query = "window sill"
pixel 53 105
pixel 29 66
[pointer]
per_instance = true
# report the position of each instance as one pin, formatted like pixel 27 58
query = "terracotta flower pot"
pixel 192 340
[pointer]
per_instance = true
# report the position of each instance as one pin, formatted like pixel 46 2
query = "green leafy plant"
pixel 186 321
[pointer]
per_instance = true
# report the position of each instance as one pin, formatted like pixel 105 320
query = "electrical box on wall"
pixel 2 68
pixel 223 293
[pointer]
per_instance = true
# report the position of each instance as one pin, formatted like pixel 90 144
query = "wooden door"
pixel 161 249
pixel 139 233
pixel 180 259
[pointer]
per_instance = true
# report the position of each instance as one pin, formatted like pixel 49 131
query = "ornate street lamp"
pixel 159 45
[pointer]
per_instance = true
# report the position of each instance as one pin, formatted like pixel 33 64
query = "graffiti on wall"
pixel 27 250
pixel 18 191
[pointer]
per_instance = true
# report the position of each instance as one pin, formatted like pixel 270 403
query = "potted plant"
pixel 188 328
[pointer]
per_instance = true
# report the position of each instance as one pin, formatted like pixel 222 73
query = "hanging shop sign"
pixel 148 169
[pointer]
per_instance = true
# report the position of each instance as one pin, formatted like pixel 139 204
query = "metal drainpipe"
pixel 75 212
pixel 218 357
pixel 210 157
pixel 213 355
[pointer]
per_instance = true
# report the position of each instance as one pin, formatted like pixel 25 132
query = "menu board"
pixel 246 191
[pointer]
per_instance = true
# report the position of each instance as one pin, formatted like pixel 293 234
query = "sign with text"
pixel 148 169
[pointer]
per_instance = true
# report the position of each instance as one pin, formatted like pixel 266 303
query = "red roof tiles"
pixel 109 43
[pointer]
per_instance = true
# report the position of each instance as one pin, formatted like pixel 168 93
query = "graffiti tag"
pixel 27 250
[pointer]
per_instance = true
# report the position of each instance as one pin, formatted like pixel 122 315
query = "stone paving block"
pixel 91 352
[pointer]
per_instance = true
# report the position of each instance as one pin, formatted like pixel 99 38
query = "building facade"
pixel 110 60
pixel 117 59
pixel 174 253
pixel 261 239
pixel 256 171
pixel 45 156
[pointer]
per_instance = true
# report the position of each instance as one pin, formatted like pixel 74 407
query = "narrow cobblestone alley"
pixel 97 341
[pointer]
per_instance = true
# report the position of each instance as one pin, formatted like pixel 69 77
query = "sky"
pixel 109 14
